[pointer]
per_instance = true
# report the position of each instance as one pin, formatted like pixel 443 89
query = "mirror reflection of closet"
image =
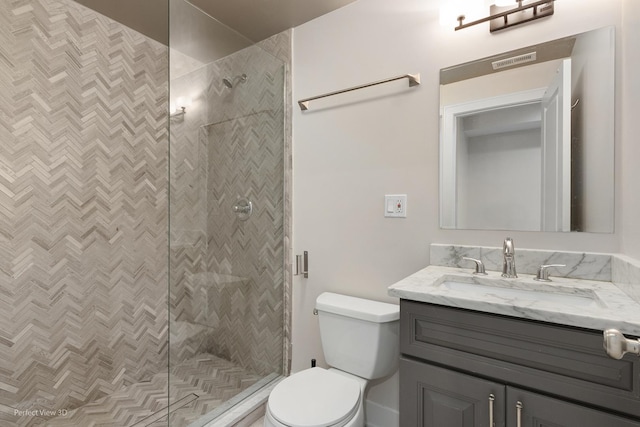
pixel 520 149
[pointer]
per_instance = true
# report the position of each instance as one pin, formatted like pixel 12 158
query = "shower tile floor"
pixel 198 386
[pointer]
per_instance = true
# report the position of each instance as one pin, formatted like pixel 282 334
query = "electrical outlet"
pixel 395 205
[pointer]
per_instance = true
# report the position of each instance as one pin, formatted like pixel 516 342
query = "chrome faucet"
pixel 509 259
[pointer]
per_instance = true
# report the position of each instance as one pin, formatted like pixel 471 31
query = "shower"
pixel 139 297
pixel 226 262
pixel 231 82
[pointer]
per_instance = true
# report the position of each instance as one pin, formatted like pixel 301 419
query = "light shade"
pixel 503 3
pixel 450 10
pixel 449 14
pixel 183 101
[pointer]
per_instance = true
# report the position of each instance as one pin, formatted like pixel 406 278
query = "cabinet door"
pixel 541 411
pixel 435 397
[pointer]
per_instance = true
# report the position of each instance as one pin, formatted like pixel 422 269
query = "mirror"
pixel 527 138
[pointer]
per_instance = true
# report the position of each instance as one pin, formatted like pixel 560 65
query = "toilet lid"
pixel 314 397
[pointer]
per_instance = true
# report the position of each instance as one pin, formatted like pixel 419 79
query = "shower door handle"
pixel 302 265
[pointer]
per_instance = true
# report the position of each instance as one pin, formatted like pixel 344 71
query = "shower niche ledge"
pixel 213 297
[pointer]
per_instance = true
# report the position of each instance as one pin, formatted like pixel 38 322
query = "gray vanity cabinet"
pixel 538 410
pixel 431 396
pixel 462 368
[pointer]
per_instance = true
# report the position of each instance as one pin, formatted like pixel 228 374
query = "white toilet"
pixel 360 341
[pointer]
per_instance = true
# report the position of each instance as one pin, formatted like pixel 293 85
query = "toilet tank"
pixel 359 336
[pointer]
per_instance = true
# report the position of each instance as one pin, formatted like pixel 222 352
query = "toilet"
pixel 361 343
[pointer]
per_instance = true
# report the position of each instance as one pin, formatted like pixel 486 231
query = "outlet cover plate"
pixel 395 205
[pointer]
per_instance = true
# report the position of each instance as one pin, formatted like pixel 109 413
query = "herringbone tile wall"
pixel 246 159
pixel 83 207
pixel 229 277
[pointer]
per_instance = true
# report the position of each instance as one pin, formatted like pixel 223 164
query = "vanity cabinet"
pixel 466 368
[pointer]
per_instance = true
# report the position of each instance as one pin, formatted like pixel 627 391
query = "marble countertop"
pixel 575 302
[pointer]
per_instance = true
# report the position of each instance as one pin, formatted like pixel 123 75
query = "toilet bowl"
pixel 317 397
pixel 360 341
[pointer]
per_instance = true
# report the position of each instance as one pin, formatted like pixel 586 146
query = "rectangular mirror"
pixel 527 138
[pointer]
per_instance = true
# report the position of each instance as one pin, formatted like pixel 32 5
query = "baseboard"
pixel 381 416
pixel 254 416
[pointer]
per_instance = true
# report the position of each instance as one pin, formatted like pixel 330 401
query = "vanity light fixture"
pixel 505 16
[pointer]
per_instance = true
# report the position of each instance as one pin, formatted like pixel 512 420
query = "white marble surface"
pixel 626 275
pixel 583 303
pixel 235 411
pixel 579 265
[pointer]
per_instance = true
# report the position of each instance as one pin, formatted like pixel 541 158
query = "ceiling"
pixel 260 19
pixel 256 20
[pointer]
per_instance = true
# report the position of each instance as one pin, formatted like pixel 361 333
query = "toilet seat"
pixel 315 397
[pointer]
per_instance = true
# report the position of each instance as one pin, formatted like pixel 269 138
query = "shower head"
pixel 230 82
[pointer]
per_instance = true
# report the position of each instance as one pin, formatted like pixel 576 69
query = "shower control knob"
pixel 243 209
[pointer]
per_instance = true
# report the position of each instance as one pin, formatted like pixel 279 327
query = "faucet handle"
pixel 543 272
pixel 479 265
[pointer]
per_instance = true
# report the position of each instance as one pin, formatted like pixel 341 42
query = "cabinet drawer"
pixel 559 360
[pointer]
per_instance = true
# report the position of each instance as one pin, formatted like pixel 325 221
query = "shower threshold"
pixel 240 406
pixel 160 417
pixel 203 387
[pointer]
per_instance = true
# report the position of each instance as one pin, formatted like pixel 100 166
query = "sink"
pixel 545 293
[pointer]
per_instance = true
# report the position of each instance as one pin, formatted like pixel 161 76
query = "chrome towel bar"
pixel 414 80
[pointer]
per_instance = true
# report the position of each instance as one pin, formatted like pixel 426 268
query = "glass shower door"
pixel 227 254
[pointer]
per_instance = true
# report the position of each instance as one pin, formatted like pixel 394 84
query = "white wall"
pixel 350 150
pixel 629 154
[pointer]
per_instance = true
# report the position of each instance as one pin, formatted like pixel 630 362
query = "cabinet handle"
pixel 617 344
pixel 492 398
pixel 519 407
